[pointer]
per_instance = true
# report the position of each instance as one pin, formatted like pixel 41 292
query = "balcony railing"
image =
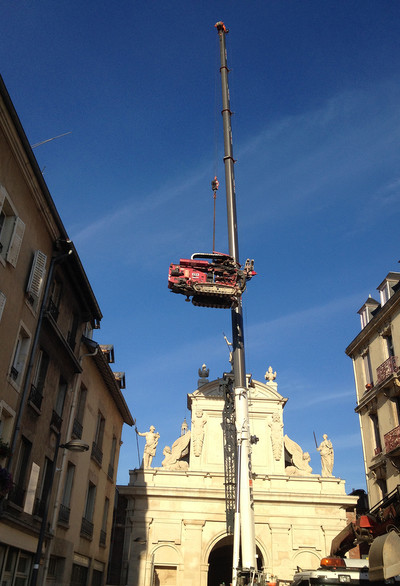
pixel 77 429
pixel 56 421
pixel 63 514
pixel 392 439
pixel 86 528
pixel 39 507
pixel 103 537
pixel 35 397
pixel 17 495
pixel 387 368
pixel 97 454
pixel 53 310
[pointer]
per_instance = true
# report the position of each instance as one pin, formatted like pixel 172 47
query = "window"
pixel 46 481
pixel 376 434
pixel 55 570
pixel 103 532
pixel 79 575
pixel 80 411
pixel 6 421
pixel 2 303
pixel 12 229
pixel 56 419
pixel 18 494
pixel 20 356
pixel 54 299
pixel 100 430
pixel 38 379
pixel 73 330
pixel 97 578
pixel 389 345
pixel 36 278
pixel 16 568
pixel 62 391
pixel 97 454
pixel 385 293
pixel 382 484
pixel 66 498
pixel 396 407
pixel 90 500
pixel 367 369
pixel 112 457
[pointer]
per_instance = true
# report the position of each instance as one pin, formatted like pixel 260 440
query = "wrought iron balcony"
pixel 97 454
pixel 39 507
pixel 35 397
pixel 77 429
pixel 87 528
pixel 63 514
pixel 392 440
pixel 56 421
pixel 53 310
pixel 17 495
pixel 103 537
pixel 387 368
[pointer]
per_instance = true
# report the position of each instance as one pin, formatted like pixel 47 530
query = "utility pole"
pixel 244 519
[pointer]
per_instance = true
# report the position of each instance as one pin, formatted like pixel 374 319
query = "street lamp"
pixel 74 446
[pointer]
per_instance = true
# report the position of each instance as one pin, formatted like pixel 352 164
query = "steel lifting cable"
pixel 214 182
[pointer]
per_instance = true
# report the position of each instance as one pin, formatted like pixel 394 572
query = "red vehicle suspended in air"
pixel 212 279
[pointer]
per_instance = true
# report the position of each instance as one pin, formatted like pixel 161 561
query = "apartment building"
pixel 58 393
pixel 375 354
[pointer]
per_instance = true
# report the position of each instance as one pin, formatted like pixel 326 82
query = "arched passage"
pixel 220 562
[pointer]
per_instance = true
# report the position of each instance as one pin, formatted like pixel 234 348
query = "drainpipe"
pixel 61 480
pixel 21 410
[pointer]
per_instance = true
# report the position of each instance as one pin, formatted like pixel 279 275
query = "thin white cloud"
pixel 291 160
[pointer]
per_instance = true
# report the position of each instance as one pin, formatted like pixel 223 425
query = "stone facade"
pixel 56 385
pixel 374 352
pixel 176 529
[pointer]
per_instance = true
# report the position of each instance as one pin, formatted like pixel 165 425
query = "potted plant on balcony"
pixel 6 482
pixel 4 449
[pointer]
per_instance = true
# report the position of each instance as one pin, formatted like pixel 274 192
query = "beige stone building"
pixel 176 523
pixel 376 370
pixel 56 385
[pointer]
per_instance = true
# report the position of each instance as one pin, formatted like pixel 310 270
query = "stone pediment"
pixel 257 391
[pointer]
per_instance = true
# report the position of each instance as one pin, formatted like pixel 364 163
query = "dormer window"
pixel 386 287
pixel 366 311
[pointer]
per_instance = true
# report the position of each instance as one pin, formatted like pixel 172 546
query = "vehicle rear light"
pixel 333 562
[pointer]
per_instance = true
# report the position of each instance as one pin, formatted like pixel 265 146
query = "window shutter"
pixel 2 196
pixel 2 303
pixel 38 272
pixel 15 242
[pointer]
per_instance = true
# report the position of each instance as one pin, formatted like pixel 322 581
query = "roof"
pixel 107 374
pixel 74 266
pixel 392 276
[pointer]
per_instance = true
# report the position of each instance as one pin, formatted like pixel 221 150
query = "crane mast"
pixel 244 534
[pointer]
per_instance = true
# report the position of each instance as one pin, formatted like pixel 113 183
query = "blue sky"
pixel 315 93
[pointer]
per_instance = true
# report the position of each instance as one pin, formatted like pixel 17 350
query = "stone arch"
pixel 165 552
pixel 307 559
pixel 166 564
pixel 219 558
